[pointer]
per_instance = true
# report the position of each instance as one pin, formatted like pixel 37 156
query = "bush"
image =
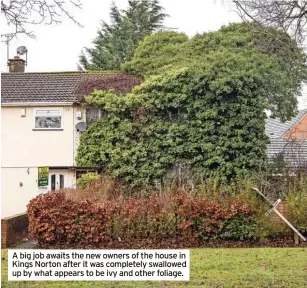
pixel 86 179
pixel 298 209
pixel 56 218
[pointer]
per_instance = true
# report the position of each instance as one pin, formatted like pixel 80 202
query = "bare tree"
pixel 288 15
pixel 21 13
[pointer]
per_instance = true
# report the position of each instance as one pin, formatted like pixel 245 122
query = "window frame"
pixel 86 114
pixel 46 115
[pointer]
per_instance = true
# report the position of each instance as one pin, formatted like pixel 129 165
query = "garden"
pixel 104 213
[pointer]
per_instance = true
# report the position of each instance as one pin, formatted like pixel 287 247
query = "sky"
pixel 57 47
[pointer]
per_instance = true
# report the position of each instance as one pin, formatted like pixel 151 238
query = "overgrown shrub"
pixel 57 218
pixel 86 179
pixel 53 218
pixel 298 209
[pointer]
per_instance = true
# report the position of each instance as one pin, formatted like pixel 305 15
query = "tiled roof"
pixel 294 151
pixel 276 129
pixel 53 86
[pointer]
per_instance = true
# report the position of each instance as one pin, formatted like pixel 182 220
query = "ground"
pixel 231 267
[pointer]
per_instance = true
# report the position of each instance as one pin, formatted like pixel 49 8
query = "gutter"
pixel 37 104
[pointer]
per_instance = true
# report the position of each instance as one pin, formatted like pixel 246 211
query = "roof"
pixel 294 151
pixel 276 129
pixel 61 87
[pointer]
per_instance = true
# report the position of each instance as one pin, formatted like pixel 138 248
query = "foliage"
pixel 241 228
pixel 55 218
pixel 117 41
pixel 86 179
pixel 298 209
pixel 203 110
pixel 289 16
pixel 277 163
pixel 116 82
pixel 281 70
pixel 155 51
pixel 142 135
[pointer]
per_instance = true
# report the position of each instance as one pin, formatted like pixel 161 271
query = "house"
pixel 289 139
pixel 42 118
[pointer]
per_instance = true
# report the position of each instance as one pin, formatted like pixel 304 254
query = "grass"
pixel 255 267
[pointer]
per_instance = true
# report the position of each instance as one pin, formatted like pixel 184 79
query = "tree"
pixel 117 41
pixel 290 16
pixel 22 13
pixel 205 113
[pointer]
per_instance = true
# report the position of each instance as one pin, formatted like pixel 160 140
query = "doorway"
pixel 58 179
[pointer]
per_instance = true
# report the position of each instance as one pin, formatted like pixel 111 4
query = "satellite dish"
pixel 21 50
pixel 81 126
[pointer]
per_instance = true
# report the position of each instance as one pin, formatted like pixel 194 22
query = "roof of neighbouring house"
pixel 276 129
pixel 294 151
pixel 61 86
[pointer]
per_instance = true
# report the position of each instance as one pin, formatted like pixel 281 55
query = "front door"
pixel 58 179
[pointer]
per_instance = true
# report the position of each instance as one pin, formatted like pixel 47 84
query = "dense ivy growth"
pixel 202 109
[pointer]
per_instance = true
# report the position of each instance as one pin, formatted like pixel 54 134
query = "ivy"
pixel 205 113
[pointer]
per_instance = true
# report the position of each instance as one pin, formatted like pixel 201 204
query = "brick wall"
pixel 299 131
pixel 283 208
pixel 14 229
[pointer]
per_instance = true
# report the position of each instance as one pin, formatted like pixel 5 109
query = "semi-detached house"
pixel 40 113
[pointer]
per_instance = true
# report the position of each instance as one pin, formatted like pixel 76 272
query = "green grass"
pixel 256 267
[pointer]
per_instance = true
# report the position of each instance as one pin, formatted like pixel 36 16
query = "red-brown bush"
pixel 55 218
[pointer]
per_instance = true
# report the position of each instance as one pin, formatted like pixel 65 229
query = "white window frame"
pixel 46 114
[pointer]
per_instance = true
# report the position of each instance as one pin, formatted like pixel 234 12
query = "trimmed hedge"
pixel 56 219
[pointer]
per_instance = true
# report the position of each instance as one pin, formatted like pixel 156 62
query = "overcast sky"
pixel 56 47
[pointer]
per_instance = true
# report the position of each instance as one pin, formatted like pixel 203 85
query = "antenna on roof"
pixel 21 50
pixel 8 38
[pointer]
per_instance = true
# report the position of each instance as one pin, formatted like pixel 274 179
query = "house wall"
pixel 23 150
pixel 18 187
pixel 22 146
pixel 299 131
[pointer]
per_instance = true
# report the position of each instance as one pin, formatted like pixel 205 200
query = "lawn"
pixel 249 267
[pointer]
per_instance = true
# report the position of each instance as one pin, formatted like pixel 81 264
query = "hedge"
pixel 54 219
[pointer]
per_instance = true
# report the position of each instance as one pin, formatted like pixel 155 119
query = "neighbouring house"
pixel 42 118
pixel 289 139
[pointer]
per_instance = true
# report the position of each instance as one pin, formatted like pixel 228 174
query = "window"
pixel 48 119
pixel 92 115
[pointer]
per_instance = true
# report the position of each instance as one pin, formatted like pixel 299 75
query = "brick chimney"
pixel 16 65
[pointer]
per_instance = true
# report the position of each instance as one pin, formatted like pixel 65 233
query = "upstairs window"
pixel 92 115
pixel 48 119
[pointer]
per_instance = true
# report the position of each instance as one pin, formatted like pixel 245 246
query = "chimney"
pixel 16 65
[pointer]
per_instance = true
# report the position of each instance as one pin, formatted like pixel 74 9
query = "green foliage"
pixel 155 51
pixel 117 41
pixel 298 208
pixel 86 179
pixel 281 72
pixel 241 228
pixel 203 109
pixel 277 163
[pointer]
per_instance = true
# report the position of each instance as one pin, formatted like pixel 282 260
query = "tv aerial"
pixel 21 50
